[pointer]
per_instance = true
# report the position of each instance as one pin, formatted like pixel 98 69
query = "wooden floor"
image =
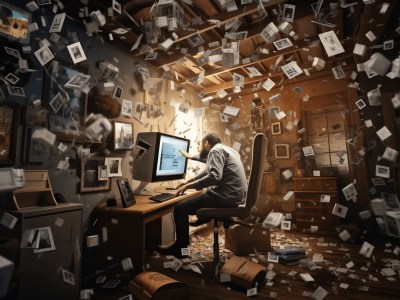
pixel 364 279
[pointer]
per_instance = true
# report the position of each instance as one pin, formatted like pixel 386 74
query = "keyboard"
pixel 162 197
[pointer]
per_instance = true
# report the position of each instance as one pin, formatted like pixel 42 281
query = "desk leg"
pixel 153 234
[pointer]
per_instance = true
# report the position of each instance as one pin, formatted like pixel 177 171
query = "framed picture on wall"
pixel 89 175
pixel 123 136
pixel 66 106
pixel 282 151
pixel 276 128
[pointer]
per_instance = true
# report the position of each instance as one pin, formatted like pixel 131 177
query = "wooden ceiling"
pixel 190 66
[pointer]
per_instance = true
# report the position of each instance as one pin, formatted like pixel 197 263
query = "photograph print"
pixel 76 52
pixel 114 165
pixel 89 175
pixel 288 12
pixel 283 43
pixel 123 136
pixel 44 55
pixel 331 43
pixel 58 22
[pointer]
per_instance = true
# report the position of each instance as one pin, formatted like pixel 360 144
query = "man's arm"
pixel 192 157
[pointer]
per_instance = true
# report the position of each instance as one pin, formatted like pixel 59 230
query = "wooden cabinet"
pixel 42 275
pixel 315 199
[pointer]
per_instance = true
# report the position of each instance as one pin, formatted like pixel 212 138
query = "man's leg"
pixel 189 207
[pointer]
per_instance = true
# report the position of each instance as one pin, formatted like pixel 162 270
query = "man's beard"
pixel 203 153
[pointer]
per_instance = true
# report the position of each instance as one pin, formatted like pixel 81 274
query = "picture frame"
pixel 127 197
pixel 76 52
pixel 288 12
pixel 123 136
pixel 9 121
pixel 44 55
pixel 24 19
pixel 34 151
pixel 117 94
pixel 360 104
pixel 276 128
pixel 89 175
pixel 114 165
pixel 382 171
pixel 282 151
pixel 338 72
pixel 68 121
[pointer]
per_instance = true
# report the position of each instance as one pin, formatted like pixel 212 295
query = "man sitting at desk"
pixel 226 184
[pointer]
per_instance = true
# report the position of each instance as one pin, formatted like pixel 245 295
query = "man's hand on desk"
pixel 183 187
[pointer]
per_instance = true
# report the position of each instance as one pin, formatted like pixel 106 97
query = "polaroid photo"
pixel 384 133
pixel 76 52
pixel 273 258
pixel 292 69
pixel 360 104
pixel 126 108
pixel 331 43
pixel 340 210
pixel 195 40
pixel 11 78
pixel 283 43
pixel 44 55
pixel 350 192
pixel 118 92
pixel 308 151
pixel 15 91
pixel 390 154
pixel 58 22
pixel 43 2
pixel 338 72
pixel 366 249
pixel 288 12
pixel 13 52
pixel 114 165
pixel 116 6
pixel 78 81
pixel 325 198
pixel 388 45
pixel 57 102
pixel 253 72
pixel 382 171
pixel 378 181
pixel 285 225
pixel 68 277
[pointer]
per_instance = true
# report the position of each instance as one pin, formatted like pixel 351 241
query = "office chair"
pixel 225 215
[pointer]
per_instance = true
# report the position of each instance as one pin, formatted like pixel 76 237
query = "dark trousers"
pixel 189 207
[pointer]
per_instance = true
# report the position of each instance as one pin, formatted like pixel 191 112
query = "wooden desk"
pixel 130 230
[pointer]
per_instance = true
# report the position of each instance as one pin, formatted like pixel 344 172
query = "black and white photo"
pixel 44 55
pixel 114 165
pixel 360 104
pixel 118 92
pixel 377 181
pixel 308 151
pixel 78 81
pixel 340 210
pixel 292 69
pixel 151 56
pixel 195 40
pixel 102 173
pixel 285 225
pixel 338 72
pixel 390 154
pixel 11 78
pixel 382 171
pixel 331 43
pixel 76 52
pixel 58 22
pixel 15 91
pixel 89 175
pixel 116 6
pixel 68 277
pixel 388 45
pixel 127 197
pixel 283 43
pixel 288 12
pixel 269 32
pixel 123 136
pixel 57 102
pixel 126 108
pixel 276 128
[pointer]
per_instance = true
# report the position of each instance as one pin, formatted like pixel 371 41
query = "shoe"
pixel 200 222
pixel 171 249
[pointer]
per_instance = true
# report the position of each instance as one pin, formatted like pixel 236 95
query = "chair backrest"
pixel 260 143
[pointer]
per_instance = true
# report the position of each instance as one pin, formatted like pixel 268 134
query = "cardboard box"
pixel 244 273
pixel 157 286
pixel 242 240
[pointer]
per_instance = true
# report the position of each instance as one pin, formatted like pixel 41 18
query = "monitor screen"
pixel 171 164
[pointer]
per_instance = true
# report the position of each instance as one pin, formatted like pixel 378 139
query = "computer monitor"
pixel 158 157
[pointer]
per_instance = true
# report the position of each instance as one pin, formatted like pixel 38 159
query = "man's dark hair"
pixel 212 138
